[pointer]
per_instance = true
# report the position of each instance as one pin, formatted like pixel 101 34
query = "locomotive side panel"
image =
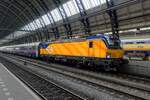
pixel 92 48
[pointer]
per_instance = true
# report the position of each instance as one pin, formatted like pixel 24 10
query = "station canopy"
pixel 22 17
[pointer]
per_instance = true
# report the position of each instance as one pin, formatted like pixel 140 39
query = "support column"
pixel 84 19
pixel 65 19
pixel 114 21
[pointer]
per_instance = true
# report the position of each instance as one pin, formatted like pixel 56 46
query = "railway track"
pixel 45 89
pixel 122 84
pixel 128 77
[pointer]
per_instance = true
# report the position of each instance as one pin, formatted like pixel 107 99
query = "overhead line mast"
pixel 114 21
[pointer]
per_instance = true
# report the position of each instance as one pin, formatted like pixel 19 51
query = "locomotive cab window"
pixel 90 44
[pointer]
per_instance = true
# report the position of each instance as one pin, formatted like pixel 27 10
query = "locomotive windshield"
pixel 109 41
pixel 112 44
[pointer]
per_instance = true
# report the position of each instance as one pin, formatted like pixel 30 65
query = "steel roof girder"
pixel 114 21
pixel 84 20
pixel 64 16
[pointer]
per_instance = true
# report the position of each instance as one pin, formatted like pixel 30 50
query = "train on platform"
pixel 91 51
pixel 137 48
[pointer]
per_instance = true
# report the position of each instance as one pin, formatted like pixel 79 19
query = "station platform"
pixel 137 67
pixel 11 88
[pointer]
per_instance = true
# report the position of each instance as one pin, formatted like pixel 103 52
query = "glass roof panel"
pixel 73 7
pixel 70 8
pixel 86 4
pixel 46 19
pixel 56 15
pixel 67 9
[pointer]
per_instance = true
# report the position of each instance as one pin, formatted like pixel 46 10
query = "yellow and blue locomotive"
pixel 93 50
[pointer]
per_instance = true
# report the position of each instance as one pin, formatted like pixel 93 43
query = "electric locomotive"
pixel 94 50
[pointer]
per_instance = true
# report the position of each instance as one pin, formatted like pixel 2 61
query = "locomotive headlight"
pixel 108 55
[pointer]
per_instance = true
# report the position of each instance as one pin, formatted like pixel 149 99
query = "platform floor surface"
pixel 11 88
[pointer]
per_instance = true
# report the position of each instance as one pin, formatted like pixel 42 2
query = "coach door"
pixel 91 49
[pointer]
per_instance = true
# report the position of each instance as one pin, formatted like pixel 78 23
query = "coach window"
pixel 90 44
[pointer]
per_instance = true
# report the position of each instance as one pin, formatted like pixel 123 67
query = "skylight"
pixel 70 8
